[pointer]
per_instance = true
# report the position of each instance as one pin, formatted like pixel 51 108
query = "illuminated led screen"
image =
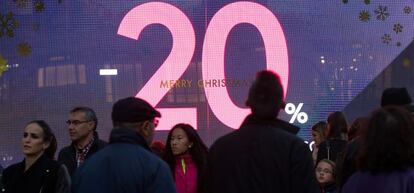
pixel 193 60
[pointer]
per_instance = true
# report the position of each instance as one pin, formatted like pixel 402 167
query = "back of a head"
pixel 337 124
pixel 357 126
pixel 387 144
pixel 132 110
pixel 266 95
pixel 395 96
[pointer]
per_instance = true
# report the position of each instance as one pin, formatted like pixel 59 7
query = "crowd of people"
pixel 374 154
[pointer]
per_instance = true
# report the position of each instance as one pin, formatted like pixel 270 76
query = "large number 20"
pixel 213 54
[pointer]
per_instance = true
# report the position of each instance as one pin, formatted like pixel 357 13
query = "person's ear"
pixel 147 128
pixel 91 125
pixel 46 145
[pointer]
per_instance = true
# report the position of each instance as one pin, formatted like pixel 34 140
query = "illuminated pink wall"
pixel 213 54
pixel 176 63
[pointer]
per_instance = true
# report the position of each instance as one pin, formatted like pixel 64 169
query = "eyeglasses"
pixel 75 122
pixel 326 171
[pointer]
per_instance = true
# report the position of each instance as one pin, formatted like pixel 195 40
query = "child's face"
pixel 324 172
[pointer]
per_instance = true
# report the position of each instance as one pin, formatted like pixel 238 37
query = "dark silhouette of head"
pixel 136 114
pixel 357 126
pixel 266 95
pixel 395 96
pixel 387 145
pixel 336 125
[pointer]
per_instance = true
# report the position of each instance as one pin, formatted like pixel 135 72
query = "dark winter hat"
pixel 133 110
pixel 395 96
pixel 266 95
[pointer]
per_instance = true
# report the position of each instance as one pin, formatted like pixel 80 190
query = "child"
pixel 325 174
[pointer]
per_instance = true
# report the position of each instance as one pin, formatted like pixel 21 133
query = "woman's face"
pixel 316 136
pixel 324 172
pixel 33 144
pixel 179 141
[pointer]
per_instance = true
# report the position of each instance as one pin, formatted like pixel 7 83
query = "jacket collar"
pixel 275 122
pixel 93 141
pixel 124 135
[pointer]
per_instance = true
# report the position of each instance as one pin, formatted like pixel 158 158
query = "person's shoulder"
pixel 224 140
pixel 282 133
pixel 125 149
pixel 66 149
pixel 101 143
pixel 265 132
pixel 407 172
pixel 66 152
pixel 129 153
pixel 12 168
pixel 98 144
pixel 322 144
pixel 284 125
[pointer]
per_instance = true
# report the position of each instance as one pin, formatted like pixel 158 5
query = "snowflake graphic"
pixel 39 6
pixel 407 9
pixel 21 4
pixel 8 24
pixel 3 69
pixel 3 65
pixel 36 27
pixel 386 39
pixel 398 44
pixel 382 12
pixel 364 16
pixel 24 49
pixel 398 28
pixel 367 2
pixel 407 63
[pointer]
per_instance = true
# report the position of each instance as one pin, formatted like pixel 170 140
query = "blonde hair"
pixel 321 127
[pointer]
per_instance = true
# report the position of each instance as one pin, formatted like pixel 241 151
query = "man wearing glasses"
pixel 82 125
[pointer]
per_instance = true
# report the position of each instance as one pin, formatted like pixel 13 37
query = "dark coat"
pixel 393 182
pixel 45 174
pixel 346 165
pixel 331 149
pixel 126 165
pixel 67 155
pixel 329 188
pixel 260 158
pixel 281 124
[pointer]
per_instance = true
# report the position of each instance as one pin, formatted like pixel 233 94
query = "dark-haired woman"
pixel 38 172
pixel 186 154
pixel 336 140
pixel 386 156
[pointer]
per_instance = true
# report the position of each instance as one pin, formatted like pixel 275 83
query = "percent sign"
pixel 291 109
